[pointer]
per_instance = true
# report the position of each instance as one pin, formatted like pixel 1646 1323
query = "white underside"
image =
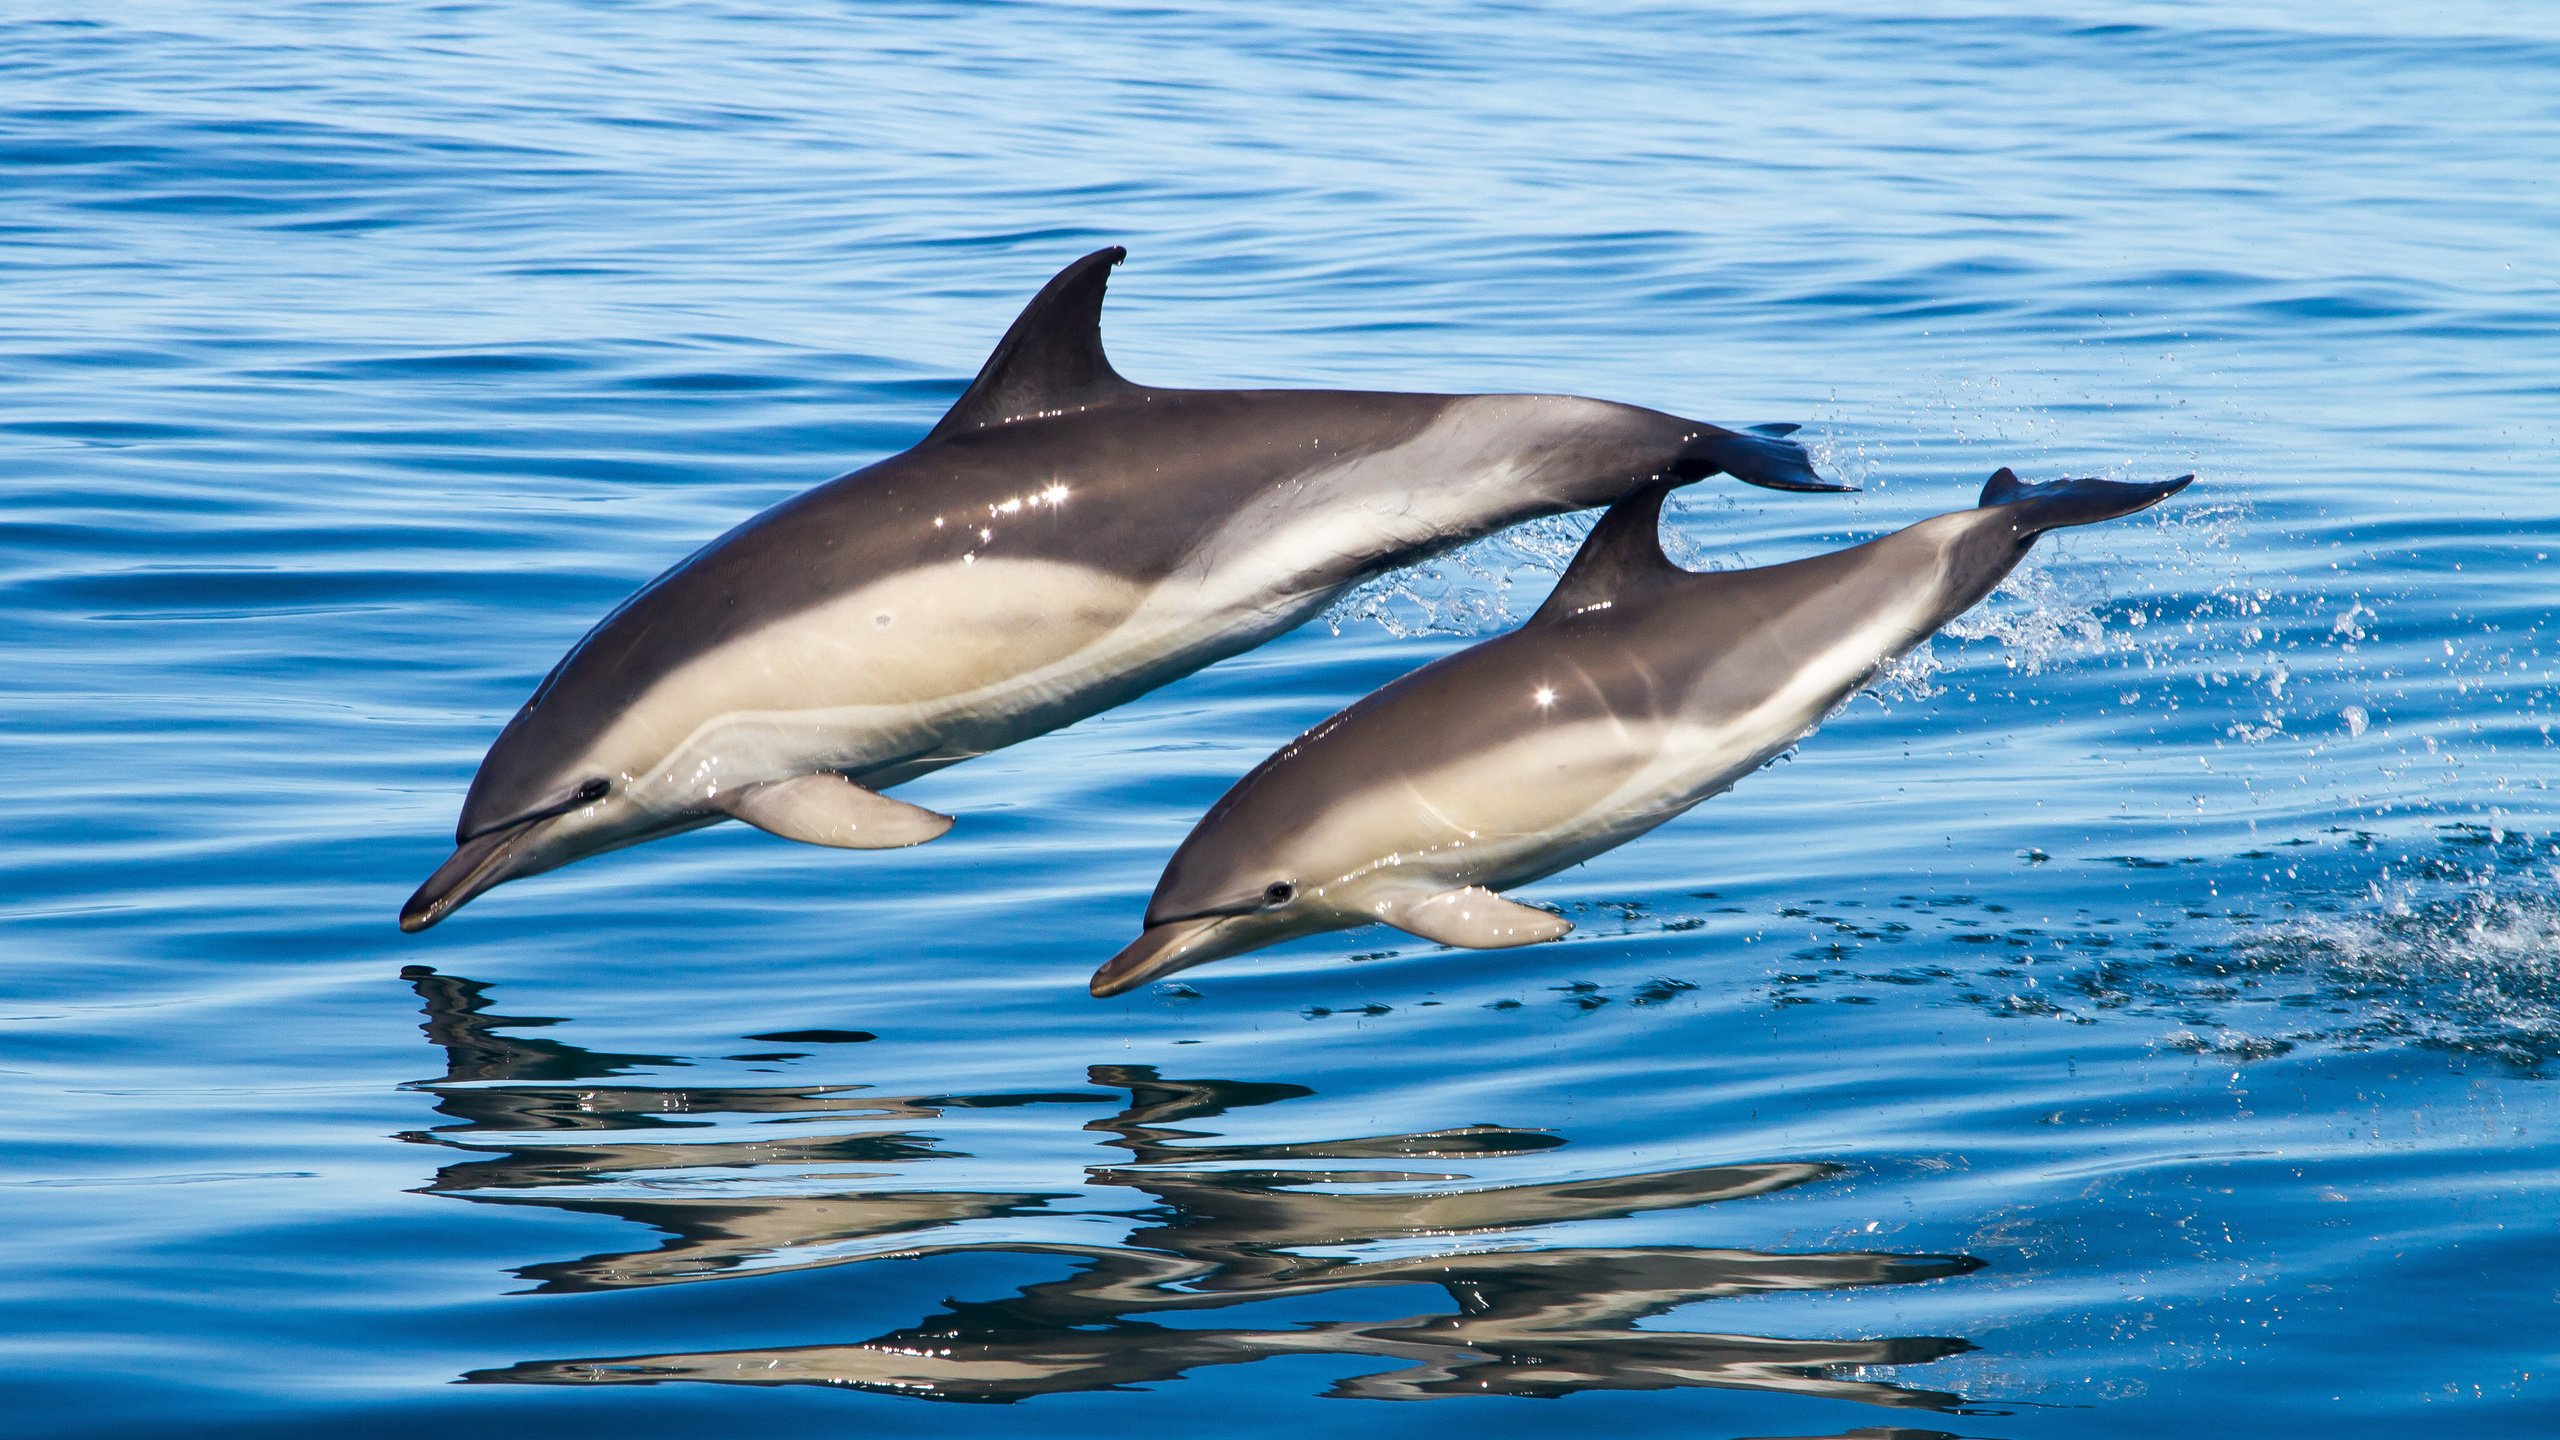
pixel 962 658
pixel 1558 794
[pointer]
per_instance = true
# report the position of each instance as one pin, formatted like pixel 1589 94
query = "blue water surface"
pixel 2134 1019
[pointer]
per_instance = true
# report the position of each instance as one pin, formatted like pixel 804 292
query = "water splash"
pixel 2476 967
pixel 1476 590
pixel 1909 679
pixel 2039 615
pixel 1492 584
pixel 2347 945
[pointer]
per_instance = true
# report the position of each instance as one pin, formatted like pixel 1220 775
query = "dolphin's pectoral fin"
pixel 831 810
pixel 1474 919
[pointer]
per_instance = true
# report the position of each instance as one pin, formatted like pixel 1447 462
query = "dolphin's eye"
pixel 593 790
pixel 1279 892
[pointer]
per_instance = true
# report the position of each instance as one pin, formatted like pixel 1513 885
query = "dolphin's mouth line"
pixel 474 866
pixel 587 793
pixel 1161 949
pixel 1223 912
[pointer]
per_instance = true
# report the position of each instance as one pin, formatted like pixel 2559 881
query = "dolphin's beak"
pixel 1162 950
pixel 476 864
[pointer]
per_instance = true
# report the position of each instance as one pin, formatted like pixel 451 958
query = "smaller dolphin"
pixel 1638 690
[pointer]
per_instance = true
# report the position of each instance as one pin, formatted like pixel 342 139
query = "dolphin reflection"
pixel 747 1180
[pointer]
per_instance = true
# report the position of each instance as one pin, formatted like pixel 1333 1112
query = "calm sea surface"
pixel 2139 1017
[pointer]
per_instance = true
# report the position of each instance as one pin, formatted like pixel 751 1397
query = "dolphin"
pixel 1063 541
pixel 1636 691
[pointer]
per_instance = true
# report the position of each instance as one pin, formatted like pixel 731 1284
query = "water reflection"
pixel 753 1179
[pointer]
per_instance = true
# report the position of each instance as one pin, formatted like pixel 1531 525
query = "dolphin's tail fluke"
pixel 2057 503
pixel 1758 455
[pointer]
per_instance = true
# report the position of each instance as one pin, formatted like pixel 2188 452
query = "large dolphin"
pixel 1063 541
pixel 1638 690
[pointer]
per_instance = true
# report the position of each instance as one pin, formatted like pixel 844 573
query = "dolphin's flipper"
pixel 831 810
pixel 1051 360
pixel 2057 503
pixel 1475 919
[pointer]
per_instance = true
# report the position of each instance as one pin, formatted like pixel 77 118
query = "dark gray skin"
pixel 1063 541
pixel 1638 690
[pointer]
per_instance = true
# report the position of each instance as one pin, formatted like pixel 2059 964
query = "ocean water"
pixel 2138 1016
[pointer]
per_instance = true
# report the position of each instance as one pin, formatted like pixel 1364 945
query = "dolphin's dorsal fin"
pixel 1051 359
pixel 1621 556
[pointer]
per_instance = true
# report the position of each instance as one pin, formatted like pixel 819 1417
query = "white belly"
pixel 960 659
pixel 1553 796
